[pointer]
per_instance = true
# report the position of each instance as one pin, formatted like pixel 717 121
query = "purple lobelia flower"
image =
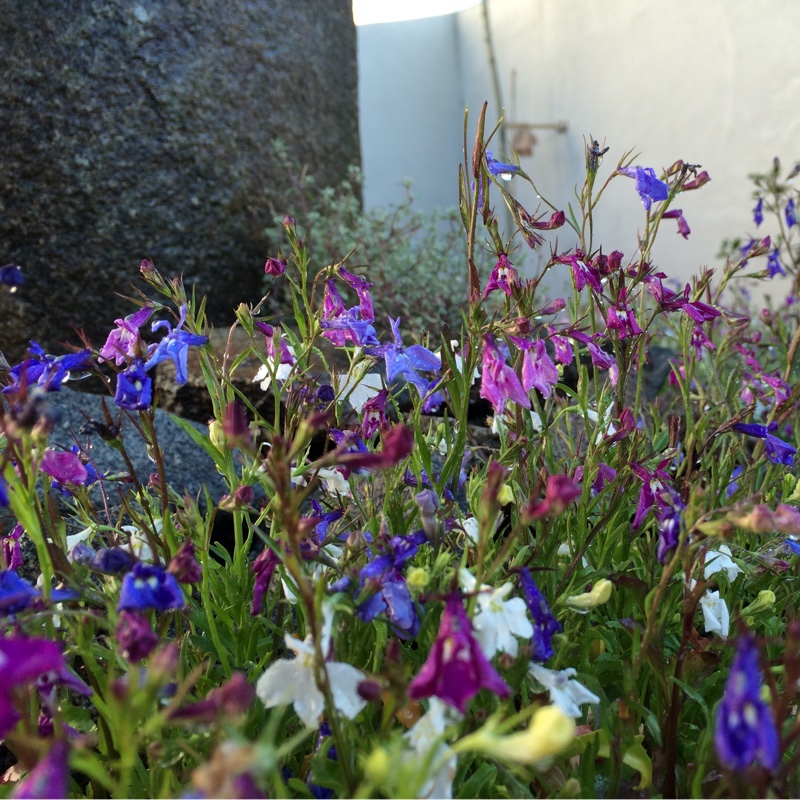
pixel 263 567
pixel 124 342
pixel 652 486
pixel 149 587
pixel 758 212
pixel 745 729
pixel 275 267
pixel 64 467
pixel 184 564
pixel 340 324
pixel 503 277
pixel 361 288
pixel 683 225
pixel 562 346
pixel 499 382
pixel 650 188
pixel 545 625
pixel 582 273
pixel 11 548
pixel 374 414
pixel 135 636
pixel 669 524
pixel 778 451
pixel 456 669
pixel 790 213
pixel 397 441
pixel 22 662
pixel 50 777
pixel 134 388
pixel 175 347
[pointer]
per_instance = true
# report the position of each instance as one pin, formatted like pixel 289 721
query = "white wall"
pixel 715 82
pixel 411 110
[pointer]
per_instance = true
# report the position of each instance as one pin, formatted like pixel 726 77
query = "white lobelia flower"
pixel 564 690
pixel 82 536
pixel 718 560
pixel 139 543
pixel 499 426
pixel 291 680
pixel 280 372
pixel 470 527
pixel 358 386
pixel 425 738
pixel 498 621
pixel 334 482
pixel 456 345
pixel 716 617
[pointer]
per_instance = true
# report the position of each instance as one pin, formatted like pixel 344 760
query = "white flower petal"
pixel 718 560
pixel 564 691
pixel 716 617
pixel 344 680
pixel 282 682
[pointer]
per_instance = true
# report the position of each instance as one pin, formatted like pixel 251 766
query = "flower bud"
pixel 764 601
pixel 549 732
pixel 600 593
pixel 377 765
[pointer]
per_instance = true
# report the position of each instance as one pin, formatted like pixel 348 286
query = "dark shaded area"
pixel 143 130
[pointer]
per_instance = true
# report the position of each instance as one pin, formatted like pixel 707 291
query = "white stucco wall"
pixel 715 82
pixel 411 110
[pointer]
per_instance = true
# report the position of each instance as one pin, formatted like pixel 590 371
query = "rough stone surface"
pixel 144 130
pixel 187 466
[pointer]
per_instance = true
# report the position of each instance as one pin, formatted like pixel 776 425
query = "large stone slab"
pixel 140 129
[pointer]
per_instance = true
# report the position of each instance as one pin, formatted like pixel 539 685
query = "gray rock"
pixel 187 466
pixel 144 129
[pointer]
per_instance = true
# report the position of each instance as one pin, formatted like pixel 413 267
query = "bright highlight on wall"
pixel 368 12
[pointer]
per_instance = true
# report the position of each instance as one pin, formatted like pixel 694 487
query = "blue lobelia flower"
pixel 545 625
pixel 745 730
pixel 16 594
pixel 758 212
pixel 778 451
pixel 11 275
pixel 45 370
pixel 498 168
pixel 134 388
pixel 392 596
pixel 175 347
pixel 791 213
pixel 407 361
pixel 774 266
pixel 650 188
pixel 149 587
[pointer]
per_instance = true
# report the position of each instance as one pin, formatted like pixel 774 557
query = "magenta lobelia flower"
pixel 25 661
pixel 124 342
pixel 538 370
pixel 456 669
pixel 50 777
pixel 503 277
pixel 499 382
